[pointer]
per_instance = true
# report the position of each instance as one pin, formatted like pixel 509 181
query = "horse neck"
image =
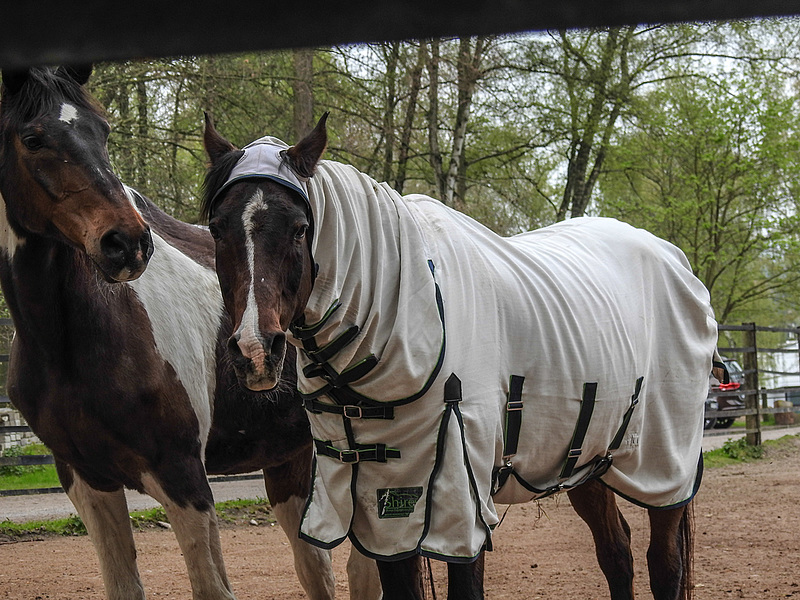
pixel 48 285
pixel 356 229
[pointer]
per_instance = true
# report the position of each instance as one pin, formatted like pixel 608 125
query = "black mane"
pixel 44 90
pixel 215 178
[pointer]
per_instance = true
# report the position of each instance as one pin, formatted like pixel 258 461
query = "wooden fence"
pixel 755 361
pixel 748 353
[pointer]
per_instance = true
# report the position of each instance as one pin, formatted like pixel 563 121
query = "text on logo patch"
pixel 394 503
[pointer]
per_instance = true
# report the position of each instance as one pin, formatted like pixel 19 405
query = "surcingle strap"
pixel 363 452
pixel 349 411
pixel 617 441
pixel 513 416
pixel 581 426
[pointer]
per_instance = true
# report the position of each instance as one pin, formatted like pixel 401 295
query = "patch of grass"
pixel 738 451
pixel 69 526
pixel 44 477
pixel 233 512
pixel 18 477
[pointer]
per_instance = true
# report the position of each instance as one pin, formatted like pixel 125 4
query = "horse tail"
pixel 686 533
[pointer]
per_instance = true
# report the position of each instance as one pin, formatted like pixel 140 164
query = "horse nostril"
pixel 114 246
pixel 278 346
pixel 233 345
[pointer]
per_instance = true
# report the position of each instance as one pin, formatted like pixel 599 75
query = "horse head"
pixel 55 175
pixel 263 227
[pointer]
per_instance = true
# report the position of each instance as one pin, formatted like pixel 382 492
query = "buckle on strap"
pixel 349 456
pixel 352 412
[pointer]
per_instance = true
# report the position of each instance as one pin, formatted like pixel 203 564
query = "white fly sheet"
pixel 424 328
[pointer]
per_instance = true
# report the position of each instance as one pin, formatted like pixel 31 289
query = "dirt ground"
pixel 747 546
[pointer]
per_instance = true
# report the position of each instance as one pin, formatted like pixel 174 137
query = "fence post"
pixel 750 359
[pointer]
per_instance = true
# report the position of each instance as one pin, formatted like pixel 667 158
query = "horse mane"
pixel 215 178
pixel 43 91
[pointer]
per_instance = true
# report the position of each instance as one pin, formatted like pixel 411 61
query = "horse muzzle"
pixel 122 257
pixel 258 362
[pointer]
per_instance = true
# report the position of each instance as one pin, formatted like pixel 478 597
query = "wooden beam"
pixel 58 32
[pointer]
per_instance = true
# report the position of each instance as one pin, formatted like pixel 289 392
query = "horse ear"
pixel 14 80
pixel 304 156
pixel 216 146
pixel 78 73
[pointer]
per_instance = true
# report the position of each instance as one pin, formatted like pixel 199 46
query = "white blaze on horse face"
pixel 249 338
pixel 68 113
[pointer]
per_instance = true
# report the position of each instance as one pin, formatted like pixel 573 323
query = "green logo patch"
pixel 394 503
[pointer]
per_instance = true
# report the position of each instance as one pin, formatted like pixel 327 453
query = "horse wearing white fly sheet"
pixel 446 368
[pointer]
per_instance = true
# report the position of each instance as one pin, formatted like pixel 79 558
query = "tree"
pixel 710 165
pixel 581 83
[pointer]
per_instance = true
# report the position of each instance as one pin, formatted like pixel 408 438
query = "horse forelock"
pixel 43 93
pixel 215 178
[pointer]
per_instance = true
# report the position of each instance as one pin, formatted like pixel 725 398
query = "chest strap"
pixel 349 411
pixel 362 452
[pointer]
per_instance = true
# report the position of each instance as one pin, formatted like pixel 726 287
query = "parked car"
pixel 725 394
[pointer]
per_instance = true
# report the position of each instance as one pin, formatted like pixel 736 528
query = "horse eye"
pixel 301 232
pixel 214 230
pixel 33 142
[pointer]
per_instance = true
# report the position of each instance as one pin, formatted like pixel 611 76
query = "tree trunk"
pixel 392 52
pixel 302 90
pixel 587 152
pixel 469 71
pixel 142 127
pixel 415 84
pixel 435 156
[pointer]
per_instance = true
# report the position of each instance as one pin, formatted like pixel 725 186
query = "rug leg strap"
pixel 617 441
pixel 581 426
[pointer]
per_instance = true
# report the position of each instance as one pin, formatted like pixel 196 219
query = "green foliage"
pixel 69 526
pixel 739 449
pixel 232 511
pixel 19 471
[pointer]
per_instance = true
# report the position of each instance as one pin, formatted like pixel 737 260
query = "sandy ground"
pixel 747 546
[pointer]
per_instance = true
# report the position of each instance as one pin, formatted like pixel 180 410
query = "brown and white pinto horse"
pixel 122 371
pixel 263 232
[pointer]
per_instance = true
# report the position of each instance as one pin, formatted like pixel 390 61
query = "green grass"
pixel 737 451
pixel 45 478
pixel 231 512
pixel 25 477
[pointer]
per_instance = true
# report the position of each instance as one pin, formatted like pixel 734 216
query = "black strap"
pixel 346 377
pixel 617 441
pixel 513 416
pixel 349 411
pixel 363 452
pixel 302 332
pixel 581 426
pixel 332 348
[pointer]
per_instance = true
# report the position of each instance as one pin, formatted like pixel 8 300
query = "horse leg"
pixel 363 577
pixel 597 506
pixel 669 556
pixel 402 579
pixel 465 580
pixel 105 515
pixel 194 521
pixel 288 486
